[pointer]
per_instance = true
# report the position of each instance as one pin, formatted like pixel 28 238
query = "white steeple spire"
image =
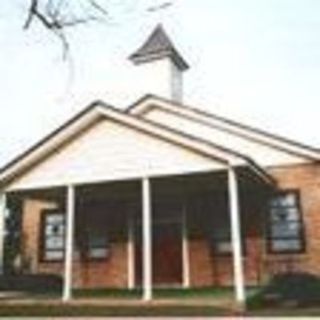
pixel 162 65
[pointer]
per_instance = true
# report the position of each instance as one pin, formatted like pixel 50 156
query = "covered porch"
pixel 180 231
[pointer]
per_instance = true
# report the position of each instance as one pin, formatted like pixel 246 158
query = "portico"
pixel 156 217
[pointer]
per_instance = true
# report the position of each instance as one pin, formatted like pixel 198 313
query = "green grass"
pixel 173 308
pixel 107 293
pixel 158 293
pixel 87 310
pixel 90 310
pixel 284 312
pixel 193 293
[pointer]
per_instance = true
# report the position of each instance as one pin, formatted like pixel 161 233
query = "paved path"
pixel 120 302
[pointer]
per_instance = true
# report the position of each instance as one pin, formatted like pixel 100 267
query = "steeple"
pixel 158 46
pixel 162 63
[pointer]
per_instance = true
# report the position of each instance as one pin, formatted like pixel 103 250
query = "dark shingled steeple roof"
pixel 158 46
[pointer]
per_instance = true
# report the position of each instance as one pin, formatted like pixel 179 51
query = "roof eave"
pixel 181 64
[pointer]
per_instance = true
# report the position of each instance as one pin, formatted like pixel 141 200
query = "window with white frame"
pixel 285 225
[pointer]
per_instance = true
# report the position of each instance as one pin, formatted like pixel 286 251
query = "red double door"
pixel 166 254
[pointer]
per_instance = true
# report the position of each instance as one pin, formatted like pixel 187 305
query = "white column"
pixel 236 236
pixel 185 250
pixel 70 214
pixel 131 254
pixel 3 210
pixel 146 240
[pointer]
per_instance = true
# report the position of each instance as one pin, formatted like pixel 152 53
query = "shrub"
pixel 288 289
pixel 36 283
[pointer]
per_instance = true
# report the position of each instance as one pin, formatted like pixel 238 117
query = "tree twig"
pixel 32 9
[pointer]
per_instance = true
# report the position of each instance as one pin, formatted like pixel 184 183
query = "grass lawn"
pixel 90 310
pixel 284 312
pixel 42 310
pixel 167 302
pixel 159 293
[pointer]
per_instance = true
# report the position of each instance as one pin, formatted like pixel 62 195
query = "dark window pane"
pixel 281 214
pixel 53 255
pixel 285 230
pixel 98 245
pixel 286 245
pixel 284 200
pixel 54 243
pixel 55 218
pixel 285 223
pixel 54 230
pixel 99 252
pixel 223 246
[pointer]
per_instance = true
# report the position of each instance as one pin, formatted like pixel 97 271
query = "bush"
pixel 37 283
pixel 288 289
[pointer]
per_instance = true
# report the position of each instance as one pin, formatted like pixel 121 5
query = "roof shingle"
pixel 158 46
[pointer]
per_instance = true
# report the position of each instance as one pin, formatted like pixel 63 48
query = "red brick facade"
pixel 205 269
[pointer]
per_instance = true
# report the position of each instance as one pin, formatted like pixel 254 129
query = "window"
pixel 285 224
pixel 98 244
pixel 222 244
pixel 222 241
pixel 53 235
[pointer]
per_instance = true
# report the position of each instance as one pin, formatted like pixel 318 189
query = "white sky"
pixel 254 61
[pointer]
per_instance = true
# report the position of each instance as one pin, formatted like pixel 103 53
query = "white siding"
pixel 176 83
pixel 263 154
pixel 111 151
pixel 160 77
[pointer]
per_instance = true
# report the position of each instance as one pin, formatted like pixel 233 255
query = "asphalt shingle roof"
pixel 157 46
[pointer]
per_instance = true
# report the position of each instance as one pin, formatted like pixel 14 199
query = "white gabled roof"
pixel 237 136
pixel 99 110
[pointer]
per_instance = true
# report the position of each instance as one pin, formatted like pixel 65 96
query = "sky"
pixel 253 61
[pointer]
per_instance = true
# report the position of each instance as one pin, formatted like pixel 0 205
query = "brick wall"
pixel 209 270
pixel 306 178
pixel 258 264
pixel 111 272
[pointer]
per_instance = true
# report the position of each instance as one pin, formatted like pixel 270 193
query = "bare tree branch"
pixel 54 11
pixel 58 15
pixel 31 10
pixel 64 42
pixel 98 7
pixel 55 17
